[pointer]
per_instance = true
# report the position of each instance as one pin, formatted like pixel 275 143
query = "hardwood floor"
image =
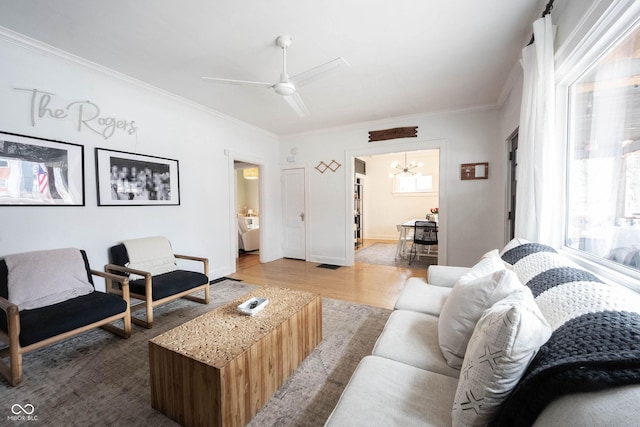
pixel 375 285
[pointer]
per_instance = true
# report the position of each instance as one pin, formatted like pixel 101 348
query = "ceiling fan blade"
pixel 238 82
pixel 297 104
pixel 320 71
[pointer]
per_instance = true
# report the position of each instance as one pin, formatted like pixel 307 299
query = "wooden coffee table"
pixel 220 368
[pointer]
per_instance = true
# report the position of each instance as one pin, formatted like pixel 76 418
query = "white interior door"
pixel 293 196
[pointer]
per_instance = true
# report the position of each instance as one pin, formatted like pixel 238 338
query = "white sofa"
pixel 407 381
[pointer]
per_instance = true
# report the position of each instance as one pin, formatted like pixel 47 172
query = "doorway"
pixel 396 188
pixel 512 142
pixel 399 147
pixel 247 207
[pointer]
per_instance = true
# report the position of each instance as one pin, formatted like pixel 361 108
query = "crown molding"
pixel 23 41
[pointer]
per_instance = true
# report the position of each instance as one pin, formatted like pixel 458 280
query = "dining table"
pixel 405 235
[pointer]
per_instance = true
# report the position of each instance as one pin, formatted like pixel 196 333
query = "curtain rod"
pixel 547 10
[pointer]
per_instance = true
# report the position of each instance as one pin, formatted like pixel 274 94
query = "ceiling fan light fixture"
pixel 285 88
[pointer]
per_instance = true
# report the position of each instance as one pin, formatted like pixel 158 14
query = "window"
pixel 603 199
pixel 412 183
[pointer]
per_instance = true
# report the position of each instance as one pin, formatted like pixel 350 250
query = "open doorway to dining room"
pixel 392 191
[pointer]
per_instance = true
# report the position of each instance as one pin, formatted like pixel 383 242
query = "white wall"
pixel 472 212
pixel 167 127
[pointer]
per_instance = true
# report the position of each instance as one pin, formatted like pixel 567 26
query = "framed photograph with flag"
pixel 130 179
pixel 40 172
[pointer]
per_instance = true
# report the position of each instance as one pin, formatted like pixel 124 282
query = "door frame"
pixel 512 202
pixel 233 157
pixel 395 147
pixel 305 167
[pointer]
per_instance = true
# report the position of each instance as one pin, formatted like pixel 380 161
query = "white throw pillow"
pixel 495 253
pixel 41 278
pixel 484 285
pixel 504 341
pixel 484 267
pixel 492 253
pixel 151 254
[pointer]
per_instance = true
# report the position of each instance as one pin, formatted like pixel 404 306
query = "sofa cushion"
pixel 419 296
pixel 445 275
pixel 41 278
pixel 504 341
pixel 383 392
pixel 41 323
pixel 466 303
pixel 412 338
pixel 616 406
pixel 169 284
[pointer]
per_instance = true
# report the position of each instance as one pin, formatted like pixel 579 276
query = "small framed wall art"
pixel 40 172
pixel 129 179
pixel 474 171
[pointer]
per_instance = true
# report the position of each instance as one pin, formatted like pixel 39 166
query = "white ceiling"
pixel 406 56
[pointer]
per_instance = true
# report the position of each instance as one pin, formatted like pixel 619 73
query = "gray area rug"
pixel 385 254
pixel 99 379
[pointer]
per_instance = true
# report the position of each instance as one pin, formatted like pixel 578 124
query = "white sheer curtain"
pixel 540 183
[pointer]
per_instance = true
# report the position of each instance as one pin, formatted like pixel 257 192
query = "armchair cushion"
pixel 242 225
pixel 45 322
pixel 61 274
pixel 152 254
pixel 168 284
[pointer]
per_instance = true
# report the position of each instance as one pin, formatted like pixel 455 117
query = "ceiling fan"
pixel 288 86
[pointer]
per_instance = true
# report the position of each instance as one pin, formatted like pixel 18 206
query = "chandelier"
pixel 406 170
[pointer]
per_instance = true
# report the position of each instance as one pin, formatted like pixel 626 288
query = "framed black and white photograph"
pixel 40 172
pixel 129 179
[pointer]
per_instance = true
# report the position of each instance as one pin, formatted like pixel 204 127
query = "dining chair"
pixel 425 233
pixel 405 235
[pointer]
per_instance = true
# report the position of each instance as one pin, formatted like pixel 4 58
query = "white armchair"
pixel 248 239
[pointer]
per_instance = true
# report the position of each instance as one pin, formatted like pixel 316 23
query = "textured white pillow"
pixel 484 285
pixel 504 341
pixel 41 278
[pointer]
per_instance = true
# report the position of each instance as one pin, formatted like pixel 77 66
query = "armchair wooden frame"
pixel 13 370
pixel 147 300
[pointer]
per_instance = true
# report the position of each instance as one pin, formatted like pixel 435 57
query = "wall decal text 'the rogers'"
pixel 86 114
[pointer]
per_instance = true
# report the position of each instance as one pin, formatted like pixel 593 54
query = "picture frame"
pixel 474 171
pixel 130 179
pixel 40 172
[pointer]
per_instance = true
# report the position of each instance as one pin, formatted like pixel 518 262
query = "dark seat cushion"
pixel 171 283
pixel 164 285
pixel 45 322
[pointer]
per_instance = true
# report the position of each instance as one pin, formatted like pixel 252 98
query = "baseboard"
pixel 393 237
pixel 327 260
